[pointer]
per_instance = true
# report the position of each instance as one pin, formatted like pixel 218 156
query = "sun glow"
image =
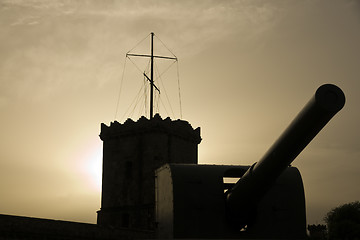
pixel 90 165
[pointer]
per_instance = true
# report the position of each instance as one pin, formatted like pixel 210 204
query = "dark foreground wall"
pixel 16 227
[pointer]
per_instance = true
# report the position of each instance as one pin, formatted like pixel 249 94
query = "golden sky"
pixel 246 69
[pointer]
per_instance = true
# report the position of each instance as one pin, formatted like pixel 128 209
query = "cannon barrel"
pixel 253 185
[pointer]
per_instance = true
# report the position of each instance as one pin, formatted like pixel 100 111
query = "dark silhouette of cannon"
pixel 196 201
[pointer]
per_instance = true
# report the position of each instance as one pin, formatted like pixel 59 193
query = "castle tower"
pixel 131 153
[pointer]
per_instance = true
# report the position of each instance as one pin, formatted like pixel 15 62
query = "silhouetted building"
pixel 131 153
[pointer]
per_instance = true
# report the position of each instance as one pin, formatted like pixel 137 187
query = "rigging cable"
pixel 168 68
pixel 145 96
pixel 136 100
pixel 135 65
pixel 138 43
pixel 121 83
pixel 156 100
pixel 165 46
pixel 167 97
pixel 162 103
pixel 178 78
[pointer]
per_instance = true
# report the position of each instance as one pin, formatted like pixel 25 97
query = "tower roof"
pixel 179 128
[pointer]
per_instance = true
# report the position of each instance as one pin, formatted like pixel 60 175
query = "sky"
pixel 245 69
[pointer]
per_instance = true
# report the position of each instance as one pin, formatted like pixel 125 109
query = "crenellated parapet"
pixel 178 128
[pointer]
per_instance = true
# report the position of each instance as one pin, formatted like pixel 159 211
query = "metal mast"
pixel 151 79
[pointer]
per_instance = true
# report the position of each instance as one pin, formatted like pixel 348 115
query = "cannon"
pixel 266 202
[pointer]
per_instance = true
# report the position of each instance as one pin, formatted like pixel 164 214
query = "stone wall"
pixel 18 227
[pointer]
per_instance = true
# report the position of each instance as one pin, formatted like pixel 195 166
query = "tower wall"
pixel 131 153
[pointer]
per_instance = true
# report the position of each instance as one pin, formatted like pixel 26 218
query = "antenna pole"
pixel 151 77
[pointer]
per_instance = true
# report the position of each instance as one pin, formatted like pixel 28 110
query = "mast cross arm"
pixel 151 82
pixel 145 55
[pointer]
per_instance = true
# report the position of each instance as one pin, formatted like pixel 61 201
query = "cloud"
pixel 35 4
pixel 26 21
pixel 190 23
pixel 57 43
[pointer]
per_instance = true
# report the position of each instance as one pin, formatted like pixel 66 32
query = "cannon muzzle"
pixel 253 185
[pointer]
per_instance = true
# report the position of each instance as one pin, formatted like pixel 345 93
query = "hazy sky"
pixel 246 69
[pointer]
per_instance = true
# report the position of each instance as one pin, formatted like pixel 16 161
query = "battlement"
pixel 179 128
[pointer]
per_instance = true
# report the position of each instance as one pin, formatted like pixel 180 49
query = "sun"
pixel 90 165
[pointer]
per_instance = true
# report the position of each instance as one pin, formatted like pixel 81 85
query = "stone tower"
pixel 131 153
